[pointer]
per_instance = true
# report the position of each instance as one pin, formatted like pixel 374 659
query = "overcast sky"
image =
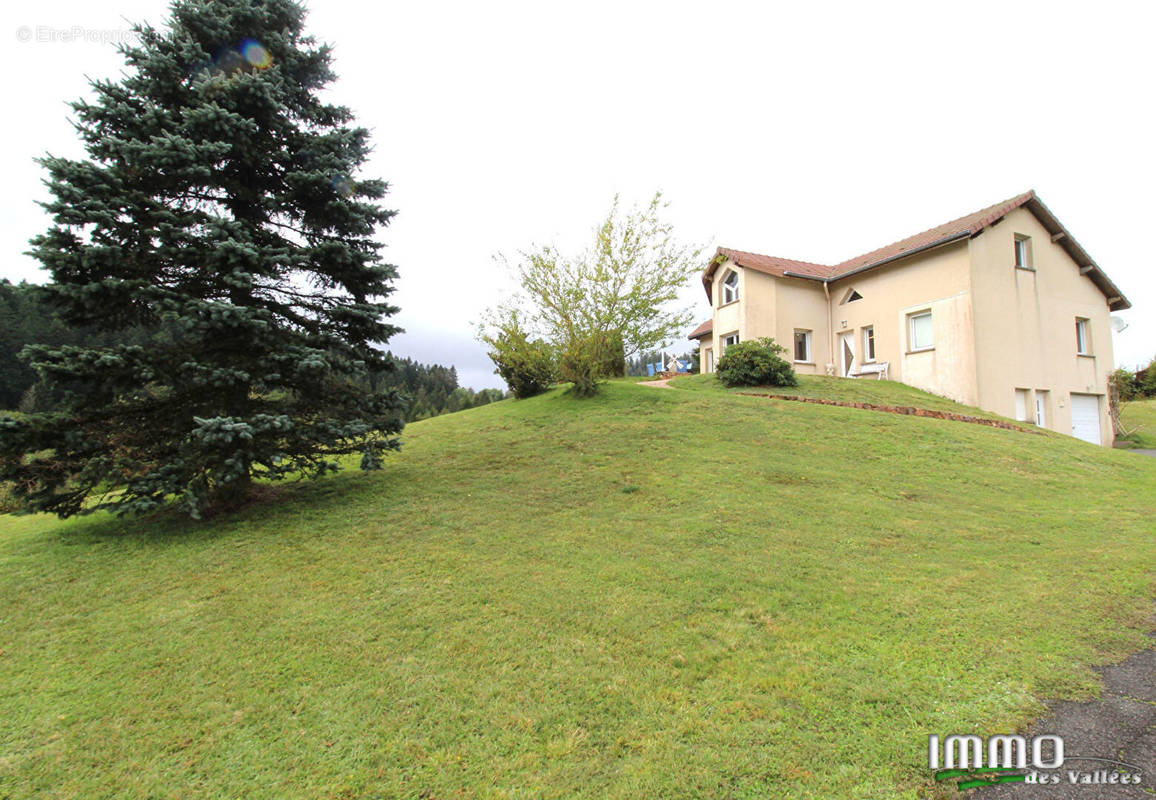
pixel 815 131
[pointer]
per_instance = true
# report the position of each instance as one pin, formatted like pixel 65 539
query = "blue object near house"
pixel 650 370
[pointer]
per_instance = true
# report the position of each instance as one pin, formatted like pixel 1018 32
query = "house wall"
pixel 760 305
pixel 751 316
pixel 996 328
pixel 704 343
pixel 1025 325
pixel 937 280
pixel 800 304
pixel 728 317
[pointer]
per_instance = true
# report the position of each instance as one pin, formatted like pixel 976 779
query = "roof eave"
pixel 955 237
pixel 718 258
pixel 1116 299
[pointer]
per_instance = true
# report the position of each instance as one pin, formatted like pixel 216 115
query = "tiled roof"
pixel 969 225
pixel 702 330
pixel 772 265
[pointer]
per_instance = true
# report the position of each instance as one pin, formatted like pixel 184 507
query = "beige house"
pixel 1001 309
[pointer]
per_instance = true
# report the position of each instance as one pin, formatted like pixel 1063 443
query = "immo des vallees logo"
pixel 1005 758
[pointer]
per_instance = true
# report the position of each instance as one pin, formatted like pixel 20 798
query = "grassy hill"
pixel 654 593
pixel 1140 416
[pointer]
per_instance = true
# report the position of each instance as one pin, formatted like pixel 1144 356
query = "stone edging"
pixel 910 411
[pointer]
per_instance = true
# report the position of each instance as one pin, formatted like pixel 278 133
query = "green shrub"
pixel 526 365
pixel 1148 380
pixel 580 362
pixel 1123 382
pixel 586 359
pixel 756 363
pixel 613 357
pixel 9 502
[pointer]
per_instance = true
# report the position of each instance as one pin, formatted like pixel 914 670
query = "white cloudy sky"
pixel 807 130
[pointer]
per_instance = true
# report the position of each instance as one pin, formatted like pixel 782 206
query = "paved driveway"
pixel 1119 726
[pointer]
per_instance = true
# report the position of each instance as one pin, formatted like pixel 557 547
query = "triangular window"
pixel 852 296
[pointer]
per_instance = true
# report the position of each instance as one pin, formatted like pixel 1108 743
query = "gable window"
pixel 803 346
pixel 1083 337
pixel 730 287
pixel 728 340
pixel 852 296
pixel 869 343
pixel 1023 251
pixel 919 333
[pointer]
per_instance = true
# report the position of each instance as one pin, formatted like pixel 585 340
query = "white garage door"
pixel 1086 417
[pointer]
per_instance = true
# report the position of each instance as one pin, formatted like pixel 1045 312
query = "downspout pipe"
pixel 830 369
pixel 827 283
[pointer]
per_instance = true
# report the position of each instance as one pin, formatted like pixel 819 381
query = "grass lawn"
pixel 859 390
pixel 1141 416
pixel 655 593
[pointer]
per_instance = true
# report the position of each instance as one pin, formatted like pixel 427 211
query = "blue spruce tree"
pixel 219 210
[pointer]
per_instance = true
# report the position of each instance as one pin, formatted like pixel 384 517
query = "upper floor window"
pixel 1023 251
pixel 1083 337
pixel 730 287
pixel 919 333
pixel 852 296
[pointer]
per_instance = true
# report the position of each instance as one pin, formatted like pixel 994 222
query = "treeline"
pixel 1136 384
pixel 24 319
pixel 431 388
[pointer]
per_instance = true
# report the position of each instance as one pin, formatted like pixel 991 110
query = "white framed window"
pixel 851 296
pixel 728 340
pixel 803 346
pixel 869 343
pixel 919 332
pixel 1023 245
pixel 1022 405
pixel 730 287
pixel 1083 337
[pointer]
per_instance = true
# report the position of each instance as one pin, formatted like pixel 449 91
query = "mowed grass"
pixel 654 593
pixel 1139 416
pixel 859 390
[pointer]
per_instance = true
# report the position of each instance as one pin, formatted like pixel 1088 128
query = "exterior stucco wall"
pixel 1025 324
pixel 938 281
pixel 800 304
pixel 728 317
pixel 759 305
pixel 995 328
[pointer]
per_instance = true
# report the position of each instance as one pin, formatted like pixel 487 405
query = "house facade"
pixel 1001 309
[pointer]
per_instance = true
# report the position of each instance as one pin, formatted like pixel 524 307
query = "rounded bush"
pixel 756 363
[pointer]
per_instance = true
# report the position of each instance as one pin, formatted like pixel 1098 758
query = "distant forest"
pixel 24 319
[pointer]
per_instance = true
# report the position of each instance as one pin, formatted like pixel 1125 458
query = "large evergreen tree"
pixel 219 208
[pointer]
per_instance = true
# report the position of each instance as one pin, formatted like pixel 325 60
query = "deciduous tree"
pixel 616 298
